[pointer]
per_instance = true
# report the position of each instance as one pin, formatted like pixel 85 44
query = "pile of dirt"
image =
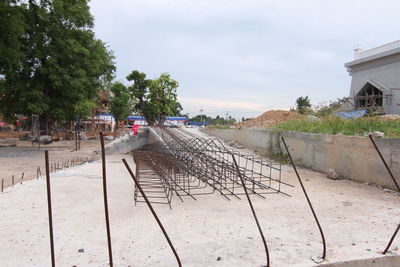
pixel 271 118
pixel 389 117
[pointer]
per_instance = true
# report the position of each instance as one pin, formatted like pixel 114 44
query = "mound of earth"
pixel 271 118
pixel 389 117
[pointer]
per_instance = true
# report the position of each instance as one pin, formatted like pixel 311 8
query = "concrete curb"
pixel 384 261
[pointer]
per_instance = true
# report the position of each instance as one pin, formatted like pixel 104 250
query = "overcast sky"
pixel 244 57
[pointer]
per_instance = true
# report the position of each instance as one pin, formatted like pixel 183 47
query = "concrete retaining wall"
pixel 127 143
pixel 351 157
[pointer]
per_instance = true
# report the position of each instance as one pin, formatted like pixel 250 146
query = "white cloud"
pixel 261 53
pixel 220 105
pixel 319 56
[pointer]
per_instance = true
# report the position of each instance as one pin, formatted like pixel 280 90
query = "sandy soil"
pixel 270 118
pixel 26 158
pixel 358 221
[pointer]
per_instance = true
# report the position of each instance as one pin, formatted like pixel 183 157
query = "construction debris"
pixel 332 174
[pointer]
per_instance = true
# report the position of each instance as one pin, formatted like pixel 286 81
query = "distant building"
pixel 169 121
pixel 103 101
pixel 375 82
pixel 175 121
pixel 139 120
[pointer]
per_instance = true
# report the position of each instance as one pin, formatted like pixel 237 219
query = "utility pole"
pixel 201 114
pixel 35 128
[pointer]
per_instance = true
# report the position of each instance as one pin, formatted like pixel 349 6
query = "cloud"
pixel 220 105
pixel 261 53
pixel 319 56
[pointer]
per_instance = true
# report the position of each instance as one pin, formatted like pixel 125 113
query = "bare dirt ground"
pixel 24 158
pixel 358 221
pixel 270 118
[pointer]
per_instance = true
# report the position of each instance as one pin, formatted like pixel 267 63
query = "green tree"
pixel 156 98
pixel 57 66
pixel 163 97
pixel 176 109
pixel 303 104
pixel 328 108
pixel 139 91
pixel 218 120
pixel 120 102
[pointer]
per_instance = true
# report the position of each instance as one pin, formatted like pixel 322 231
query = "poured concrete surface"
pixel 388 261
pixel 358 221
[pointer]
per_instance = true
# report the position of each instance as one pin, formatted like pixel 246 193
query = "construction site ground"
pixel 357 219
pixel 25 158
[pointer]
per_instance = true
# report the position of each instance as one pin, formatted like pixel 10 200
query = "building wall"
pixel 395 107
pixel 385 71
pixel 351 157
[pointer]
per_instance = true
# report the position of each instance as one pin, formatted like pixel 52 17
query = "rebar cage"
pixel 183 164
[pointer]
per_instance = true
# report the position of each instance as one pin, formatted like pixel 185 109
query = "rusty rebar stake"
pixel 153 212
pixel 103 160
pixel 252 210
pixel 391 239
pixel 384 162
pixel 395 182
pixel 46 157
pixel 308 199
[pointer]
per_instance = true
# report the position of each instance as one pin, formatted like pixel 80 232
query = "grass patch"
pixel 336 125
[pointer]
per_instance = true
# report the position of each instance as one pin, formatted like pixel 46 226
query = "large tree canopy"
pixel 163 97
pixel 51 63
pixel 120 102
pixel 139 91
pixel 155 98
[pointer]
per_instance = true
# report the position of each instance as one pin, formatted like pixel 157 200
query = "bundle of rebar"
pixel 183 164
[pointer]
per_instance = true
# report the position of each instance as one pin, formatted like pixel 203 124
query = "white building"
pixel 375 82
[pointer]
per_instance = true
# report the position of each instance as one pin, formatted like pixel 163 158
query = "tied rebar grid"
pixel 185 165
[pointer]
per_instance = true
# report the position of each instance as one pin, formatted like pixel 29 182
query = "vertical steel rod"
pixel 308 199
pixel 391 239
pixel 152 211
pixel 395 182
pixel 46 156
pixel 384 162
pixel 103 160
pixel 252 210
pixel 12 180
pixel 2 185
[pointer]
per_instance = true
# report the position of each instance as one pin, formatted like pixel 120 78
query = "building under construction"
pixel 375 82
